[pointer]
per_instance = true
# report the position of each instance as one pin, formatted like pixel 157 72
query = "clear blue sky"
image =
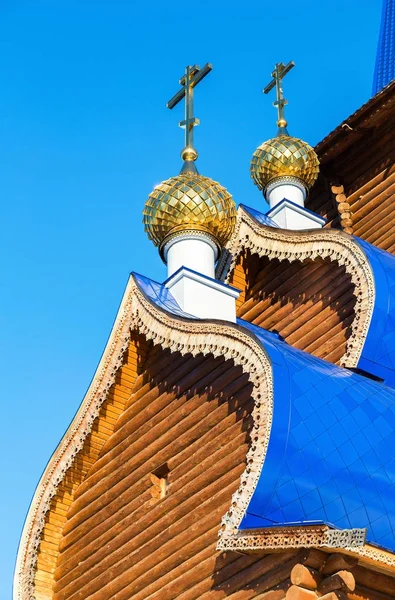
pixel 84 137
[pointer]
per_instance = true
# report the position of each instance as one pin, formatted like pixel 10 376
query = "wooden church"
pixel 238 437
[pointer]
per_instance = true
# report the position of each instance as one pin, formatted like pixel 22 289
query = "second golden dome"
pixel 284 156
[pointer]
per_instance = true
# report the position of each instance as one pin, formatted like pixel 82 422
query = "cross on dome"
pixel 280 70
pixel 193 76
pixel 284 166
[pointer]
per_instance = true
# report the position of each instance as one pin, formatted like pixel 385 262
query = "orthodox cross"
pixel 193 76
pixel 280 70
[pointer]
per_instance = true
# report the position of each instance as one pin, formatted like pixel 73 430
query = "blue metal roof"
pixel 378 354
pixel 330 457
pixel 159 294
pixel 384 71
pixel 260 217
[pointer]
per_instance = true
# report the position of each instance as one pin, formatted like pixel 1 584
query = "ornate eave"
pixel 282 244
pixel 179 335
pixel 305 536
pixel 281 539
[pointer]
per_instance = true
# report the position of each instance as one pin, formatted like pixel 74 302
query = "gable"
pixel 194 415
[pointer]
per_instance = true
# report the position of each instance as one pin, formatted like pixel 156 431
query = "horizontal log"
pixel 285 272
pixel 278 593
pixel 117 492
pixel 355 180
pixel 143 449
pixel 342 580
pixel 315 283
pixel 379 182
pixel 374 580
pixel 291 326
pixel 262 575
pixel 316 559
pixel 294 274
pixel 299 593
pixel 375 211
pixel 339 562
pixel 320 326
pixel 334 334
pixel 357 175
pixel 163 581
pixel 168 584
pixel 339 595
pixel 382 236
pixel 170 371
pixel 363 593
pixel 319 295
pixel 360 159
pixel 305 577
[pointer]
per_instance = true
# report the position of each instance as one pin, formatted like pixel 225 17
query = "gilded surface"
pixel 284 156
pixel 189 201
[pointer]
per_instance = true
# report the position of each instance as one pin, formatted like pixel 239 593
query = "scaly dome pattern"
pixel 284 156
pixel 189 201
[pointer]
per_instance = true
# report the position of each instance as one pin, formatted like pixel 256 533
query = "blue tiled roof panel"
pixel 378 354
pixel 160 295
pixel 335 462
pixel 260 217
pixel 331 450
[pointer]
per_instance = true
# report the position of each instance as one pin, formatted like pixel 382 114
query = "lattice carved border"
pixel 178 335
pixel 280 538
pixel 301 245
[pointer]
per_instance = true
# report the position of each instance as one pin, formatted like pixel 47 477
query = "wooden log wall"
pixel 337 577
pixel 103 427
pixel 186 419
pixel 372 206
pixel 194 416
pixel 364 176
pixel 320 201
pixel 310 303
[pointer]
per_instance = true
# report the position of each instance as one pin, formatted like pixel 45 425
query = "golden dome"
pixel 284 156
pixel 189 201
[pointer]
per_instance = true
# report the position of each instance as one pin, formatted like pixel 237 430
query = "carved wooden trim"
pixel 301 245
pixel 281 538
pixel 179 335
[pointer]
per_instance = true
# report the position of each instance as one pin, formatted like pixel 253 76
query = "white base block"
pixel 288 215
pixel 203 297
pixel 196 253
pixel 293 192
